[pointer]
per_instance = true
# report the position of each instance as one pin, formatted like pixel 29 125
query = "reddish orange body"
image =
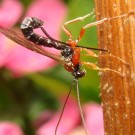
pixel 75 57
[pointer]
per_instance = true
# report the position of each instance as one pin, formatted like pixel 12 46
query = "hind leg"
pixel 95 67
pixel 65 29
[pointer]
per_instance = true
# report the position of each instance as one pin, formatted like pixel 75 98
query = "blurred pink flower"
pixel 70 120
pixel 46 123
pixel 7 20
pixel 20 60
pixel 94 119
pixel 10 128
pixel 10 11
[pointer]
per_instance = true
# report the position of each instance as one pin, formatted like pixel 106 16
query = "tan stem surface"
pixel 118 93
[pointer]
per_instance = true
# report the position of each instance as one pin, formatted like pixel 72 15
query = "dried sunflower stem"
pixel 118 93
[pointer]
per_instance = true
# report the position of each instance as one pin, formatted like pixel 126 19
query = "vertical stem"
pixel 118 93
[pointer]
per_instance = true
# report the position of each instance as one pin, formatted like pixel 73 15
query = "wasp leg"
pixel 89 53
pixel 65 29
pixel 82 31
pixel 95 67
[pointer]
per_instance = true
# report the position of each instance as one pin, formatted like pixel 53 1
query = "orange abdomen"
pixel 76 57
pixel 75 60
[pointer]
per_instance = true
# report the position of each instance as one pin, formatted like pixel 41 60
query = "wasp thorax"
pixel 67 51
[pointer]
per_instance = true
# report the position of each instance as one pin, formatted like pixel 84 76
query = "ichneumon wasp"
pixel 70 50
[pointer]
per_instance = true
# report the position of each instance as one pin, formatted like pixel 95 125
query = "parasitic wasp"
pixel 70 50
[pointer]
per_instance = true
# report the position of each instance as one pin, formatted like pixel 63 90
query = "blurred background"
pixel 33 88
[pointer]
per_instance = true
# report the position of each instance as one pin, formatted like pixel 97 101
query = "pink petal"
pixel 4 50
pixel 15 9
pixel 69 120
pixel 10 11
pixel 10 128
pixel 21 60
pixel 94 119
pixel 52 12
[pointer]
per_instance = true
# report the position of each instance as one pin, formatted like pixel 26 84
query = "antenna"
pixel 63 108
pixel 80 108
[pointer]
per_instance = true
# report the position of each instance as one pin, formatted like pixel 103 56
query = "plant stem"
pixel 117 92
